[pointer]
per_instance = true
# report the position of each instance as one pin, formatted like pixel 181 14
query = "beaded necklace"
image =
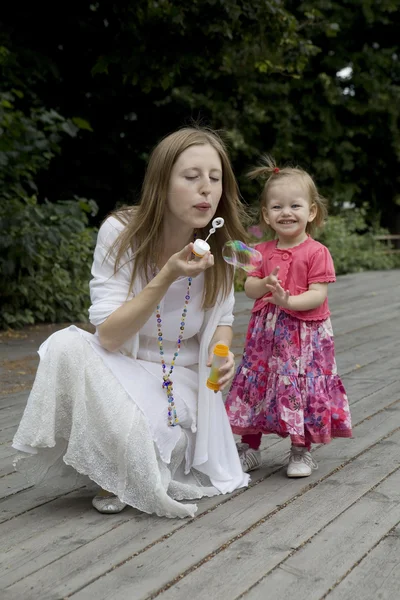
pixel 167 381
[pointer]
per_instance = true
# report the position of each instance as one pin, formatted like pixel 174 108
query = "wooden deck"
pixel 333 535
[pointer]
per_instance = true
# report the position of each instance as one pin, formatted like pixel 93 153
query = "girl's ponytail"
pixel 265 170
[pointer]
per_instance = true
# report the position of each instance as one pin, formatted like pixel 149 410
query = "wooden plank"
pixel 6 435
pixel 305 575
pixel 11 484
pixel 29 498
pixel 368 397
pixel 360 390
pixel 351 324
pixel 352 287
pixel 6 468
pixel 40 519
pixel 384 369
pixel 12 400
pixel 377 576
pixel 153 568
pixel 70 523
pixel 368 334
pixel 364 306
pixel 365 355
pixel 10 417
pixel 239 566
pixel 7 451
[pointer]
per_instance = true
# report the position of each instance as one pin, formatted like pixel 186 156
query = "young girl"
pixel 287 382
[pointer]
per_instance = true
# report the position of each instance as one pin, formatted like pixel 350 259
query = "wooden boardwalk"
pixel 334 535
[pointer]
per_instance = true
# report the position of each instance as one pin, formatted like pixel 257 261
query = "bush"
pixel 45 248
pixel 45 258
pixel 353 244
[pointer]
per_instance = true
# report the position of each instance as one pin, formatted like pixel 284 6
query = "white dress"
pixel 104 414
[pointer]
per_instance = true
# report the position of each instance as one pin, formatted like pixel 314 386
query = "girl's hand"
pixel 227 371
pixel 280 297
pixel 272 278
pixel 183 264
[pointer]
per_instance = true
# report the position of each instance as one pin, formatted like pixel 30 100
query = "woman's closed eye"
pixel 193 177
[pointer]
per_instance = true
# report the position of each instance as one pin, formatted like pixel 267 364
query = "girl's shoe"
pixel 301 463
pixel 110 504
pixel 250 459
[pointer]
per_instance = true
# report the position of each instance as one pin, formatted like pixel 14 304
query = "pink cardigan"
pixel 309 262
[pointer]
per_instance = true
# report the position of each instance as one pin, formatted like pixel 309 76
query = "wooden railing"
pixel 389 239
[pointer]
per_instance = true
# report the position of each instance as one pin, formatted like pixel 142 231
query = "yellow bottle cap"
pixel 212 386
pixel 221 350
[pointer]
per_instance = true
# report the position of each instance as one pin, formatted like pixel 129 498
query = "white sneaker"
pixel 301 463
pixel 249 458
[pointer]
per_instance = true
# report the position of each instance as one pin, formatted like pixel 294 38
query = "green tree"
pixel 137 70
pixel 343 115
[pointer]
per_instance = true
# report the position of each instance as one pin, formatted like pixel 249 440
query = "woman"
pixel 128 406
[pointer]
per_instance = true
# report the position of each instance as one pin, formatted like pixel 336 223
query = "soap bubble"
pixel 239 255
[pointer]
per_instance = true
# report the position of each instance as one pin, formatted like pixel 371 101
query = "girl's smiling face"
pixel 288 210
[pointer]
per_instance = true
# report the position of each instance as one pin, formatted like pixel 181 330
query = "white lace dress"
pixel 103 415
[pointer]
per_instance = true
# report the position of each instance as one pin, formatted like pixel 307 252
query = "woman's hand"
pixel 227 371
pixel 182 264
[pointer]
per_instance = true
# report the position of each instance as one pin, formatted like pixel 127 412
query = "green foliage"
pixel 265 71
pixel 28 142
pixel 45 249
pixel 343 116
pixel 45 258
pixel 140 69
pixel 354 245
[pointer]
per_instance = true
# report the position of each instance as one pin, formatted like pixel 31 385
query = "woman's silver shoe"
pixel 108 504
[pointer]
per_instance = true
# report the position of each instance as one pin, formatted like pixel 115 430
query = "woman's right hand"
pixel 183 264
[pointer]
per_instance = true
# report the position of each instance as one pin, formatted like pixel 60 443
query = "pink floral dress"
pixel 287 381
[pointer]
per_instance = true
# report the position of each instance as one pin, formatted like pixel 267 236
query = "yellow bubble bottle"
pixel 221 352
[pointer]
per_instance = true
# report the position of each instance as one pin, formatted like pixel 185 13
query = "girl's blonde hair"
pixel 143 223
pixel 271 172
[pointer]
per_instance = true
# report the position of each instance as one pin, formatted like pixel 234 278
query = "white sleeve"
pixel 227 310
pixel 108 291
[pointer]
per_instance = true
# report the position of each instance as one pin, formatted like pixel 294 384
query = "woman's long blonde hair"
pixel 269 172
pixel 143 223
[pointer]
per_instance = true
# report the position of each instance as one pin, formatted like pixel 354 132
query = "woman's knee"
pixel 65 344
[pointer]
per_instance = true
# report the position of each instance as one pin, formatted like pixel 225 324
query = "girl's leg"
pixel 253 440
pixel 250 456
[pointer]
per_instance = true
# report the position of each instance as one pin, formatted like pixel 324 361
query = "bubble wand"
pixel 200 247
